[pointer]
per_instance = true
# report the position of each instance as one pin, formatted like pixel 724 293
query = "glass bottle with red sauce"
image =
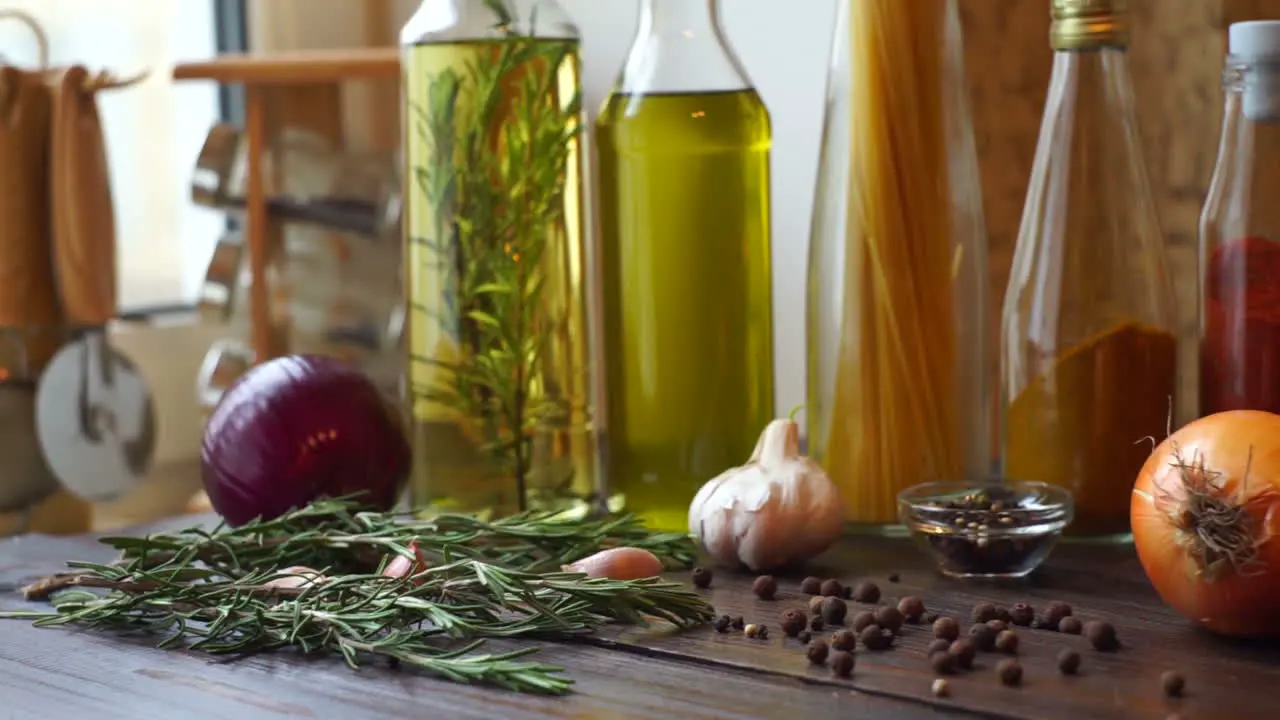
pixel 1240 233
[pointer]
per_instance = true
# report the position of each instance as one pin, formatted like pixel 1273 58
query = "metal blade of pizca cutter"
pixel 94 413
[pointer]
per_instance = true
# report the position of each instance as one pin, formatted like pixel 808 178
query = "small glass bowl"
pixel 991 529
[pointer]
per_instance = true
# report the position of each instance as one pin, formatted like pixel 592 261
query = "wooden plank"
pixel 59 672
pixel 294 68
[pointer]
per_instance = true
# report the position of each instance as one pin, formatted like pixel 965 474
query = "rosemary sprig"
pixel 338 534
pixel 211 590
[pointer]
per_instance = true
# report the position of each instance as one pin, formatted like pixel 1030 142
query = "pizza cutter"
pixel 95 417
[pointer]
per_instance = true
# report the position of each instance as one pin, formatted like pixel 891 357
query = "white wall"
pixel 785 46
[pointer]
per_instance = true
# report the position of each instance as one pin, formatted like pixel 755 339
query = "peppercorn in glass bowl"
pixel 996 529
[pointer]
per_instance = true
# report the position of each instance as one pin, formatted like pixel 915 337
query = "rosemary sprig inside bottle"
pixel 220 591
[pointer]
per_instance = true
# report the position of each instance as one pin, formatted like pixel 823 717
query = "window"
pixel 153 130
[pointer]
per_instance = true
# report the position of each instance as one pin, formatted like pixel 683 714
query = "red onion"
pixel 298 428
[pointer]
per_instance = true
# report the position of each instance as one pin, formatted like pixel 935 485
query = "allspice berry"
pixel 1173 683
pixel 1056 610
pixel 982 612
pixel 942 663
pixel 832 588
pixel 889 618
pixel 938 645
pixel 1007 642
pixel 701 577
pixel 863 619
pixel 793 621
pixel 1068 661
pixel 816 623
pixel 998 625
pixel 912 608
pixel 1003 615
pixel 815 604
pixel 866 592
pixel 834 610
pixel 817 652
pixel 964 651
pixel 1010 672
pixel 875 638
pixel 811 585
pixel 1021 614
pixel 1101 635
pixel 844 640
pixel 765 587
pixel 1070 625
pixel 983 637
pixel 946 628
pixel 842 664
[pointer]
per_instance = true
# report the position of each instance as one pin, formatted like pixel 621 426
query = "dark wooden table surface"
pixel 657 673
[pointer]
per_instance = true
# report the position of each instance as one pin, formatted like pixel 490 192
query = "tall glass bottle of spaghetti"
pixel 497 375
pixel 683 149
pixel 1088 348
pixel 897 370
pixel 1240 233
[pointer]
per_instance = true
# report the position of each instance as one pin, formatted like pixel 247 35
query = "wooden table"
pixel 639 673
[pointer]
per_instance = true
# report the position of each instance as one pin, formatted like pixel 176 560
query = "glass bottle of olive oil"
pixel 683 152
pixel 497 368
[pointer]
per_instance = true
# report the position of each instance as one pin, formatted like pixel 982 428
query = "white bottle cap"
pixel 1258 41
pixel 1255 39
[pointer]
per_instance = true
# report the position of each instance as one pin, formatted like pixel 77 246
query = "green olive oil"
pixel 497 368
pixel 687 299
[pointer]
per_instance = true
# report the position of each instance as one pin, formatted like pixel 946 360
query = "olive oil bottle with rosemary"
pixel 497 371
pixel 683 154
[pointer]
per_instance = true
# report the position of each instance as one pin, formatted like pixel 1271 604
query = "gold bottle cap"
pixel 1089 24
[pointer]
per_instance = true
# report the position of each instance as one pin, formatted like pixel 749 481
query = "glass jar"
pixel 897 389
pixel 308 181
pixel 1088 343
pixel 1240 233
pixel 498 374
pixel 683 148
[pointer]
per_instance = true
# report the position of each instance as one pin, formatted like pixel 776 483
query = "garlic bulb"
pixel 778 509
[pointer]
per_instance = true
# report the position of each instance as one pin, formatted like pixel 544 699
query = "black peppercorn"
pixel 848 593
pixel 815 604
pixel 938 645
pixel 1173 683
pixel 863 619
pixel 964 651
pixel 1022 614
pixel 912 608
pixel 942 663
pixel 763 633
pixel 893 577
pixel 844 640
pixel 1040 622
pixel 1101 635
pixel 998 625
pixel 1068 661
pixel 866 592
pixel 875 638
pixel 701 577
pixel 765 587
pixel 932 618
pixel 722 623
pixel 1071 625
pixel 817 652
pixel 834 610
pixel 946 628
pixel 1056 610
pixel 842 664
pixel 793 621
pixel 1007 642
pixel 1010 672
pixel 811 585
pixel 738 623
pixel 983 612
pixel 832 588
pixel 816 623
pixel 804 637
pixel 889 618
pixel 983 636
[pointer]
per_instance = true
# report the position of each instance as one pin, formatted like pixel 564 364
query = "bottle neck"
pixel 680 46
